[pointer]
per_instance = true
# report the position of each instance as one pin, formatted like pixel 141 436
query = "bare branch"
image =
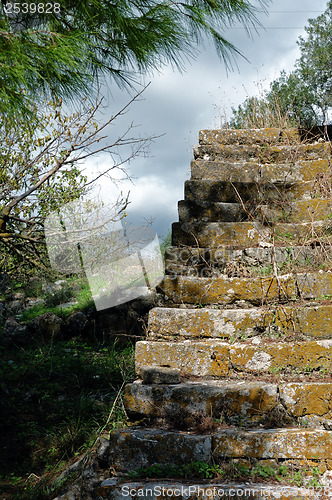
pixel 41 173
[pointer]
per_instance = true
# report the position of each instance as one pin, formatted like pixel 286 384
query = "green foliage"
pixel 261 112
pixel 55 400
pixel 302 97
pixel 78 290
pixel 234 470
pixel 296 100
pixel 63 52
pixel 315 63
pixel 58 297
pixel 39 170
pixel 200 469
pixel 166 242
pixel 27 153
pixel 264 471
pixel 206 471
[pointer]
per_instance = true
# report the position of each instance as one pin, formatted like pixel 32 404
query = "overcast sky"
pixel 179 105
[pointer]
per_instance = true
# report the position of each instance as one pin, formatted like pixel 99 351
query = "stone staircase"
pixel 235 373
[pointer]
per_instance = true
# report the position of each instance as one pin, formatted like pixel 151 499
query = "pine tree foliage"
pixel 61 48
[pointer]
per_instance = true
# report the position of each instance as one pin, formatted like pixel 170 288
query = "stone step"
pixel 216 358
pixel 262 137
pixel 248 234
pixel 273 443
pixel 307 401
pixel 188 405
pixel 254 193
pixel 186 490
pixel 259 172
pixel 300 211
pixel 135 448
pixel 255 291
pixel 204 211
pixel 296 321
pixel 205 262
pixel 209 257
pixel 268 154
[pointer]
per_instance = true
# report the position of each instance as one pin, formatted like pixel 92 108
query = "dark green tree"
pixel 314 67
pixel 302 97
pixel 60 49
pixel 295 99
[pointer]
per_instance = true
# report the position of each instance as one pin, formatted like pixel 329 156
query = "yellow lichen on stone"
pixel 191 358
pixel 307 399
pixel 273 443
pixel 172 323
pixel 270 154
pixel 247 136
pixel 299 211
pixel 298 357
pixel 240 235
pixel 314 321
pixel 255 171
pixel 224 290
pixel 249 402
pixel 315 285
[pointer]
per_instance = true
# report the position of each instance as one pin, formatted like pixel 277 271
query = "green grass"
pixel 201 470
pixel 234 470
pixel 76 290
pixel 55 400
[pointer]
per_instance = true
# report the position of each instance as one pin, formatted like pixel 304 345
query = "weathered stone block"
pixel 270 154
pixel 193 211
pixel 310 321
pixel 159 375
pixel 219 359
pixel 223 290
pixel 172 323
pixel 316 285
pixel 245 234
pixel 305 399
pixel 197 258
pixel 204 262
pixel 278 357
pixel 273 443
pixel 215 234
pixel 293 254
pixel 209 358
pixel 249 136
pixel 234 402
pixel 256 193
pixel 258 172
pixel 298 212
pixel 134 448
